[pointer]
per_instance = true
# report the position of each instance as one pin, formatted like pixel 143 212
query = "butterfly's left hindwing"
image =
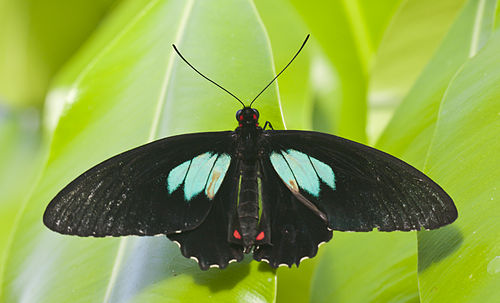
pixel 163 187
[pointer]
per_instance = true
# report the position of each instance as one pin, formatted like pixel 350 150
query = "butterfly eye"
pixel 239 115
pixel 255 114
pixel 236 234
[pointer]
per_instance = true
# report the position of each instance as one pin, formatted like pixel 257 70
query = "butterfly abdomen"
pixel 247 203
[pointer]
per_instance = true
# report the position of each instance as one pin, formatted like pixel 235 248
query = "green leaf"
pixel 294 87
pixel 411 39
pixel 355 267
pixel 349 33
pixel 421 105
pixel 391 259
pixel 36 38
pixel 20 161
pixel 460 263
pixel 125 88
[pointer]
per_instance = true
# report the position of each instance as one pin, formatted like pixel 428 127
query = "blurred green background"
pixel 81 81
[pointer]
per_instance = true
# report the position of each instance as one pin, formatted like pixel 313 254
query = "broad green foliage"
pixel 36 38
pixel 286 31
pixel 349 32
pixel 422 102
pixel 125 89
pixel 408 135
pixel 429 68
pixel 411 39
pixel 20 159
pixel 384 264
pixel 461 261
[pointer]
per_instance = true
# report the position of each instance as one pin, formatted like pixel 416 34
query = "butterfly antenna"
pixel 304 43
pixel 178 53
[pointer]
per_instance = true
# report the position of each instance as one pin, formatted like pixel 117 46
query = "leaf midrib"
pixel 152 135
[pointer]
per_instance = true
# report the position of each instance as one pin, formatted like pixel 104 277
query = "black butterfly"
pixel 276 194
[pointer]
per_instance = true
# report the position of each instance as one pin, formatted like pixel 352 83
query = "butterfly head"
pixel 247 117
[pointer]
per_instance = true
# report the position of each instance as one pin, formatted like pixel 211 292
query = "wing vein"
pixel 211 169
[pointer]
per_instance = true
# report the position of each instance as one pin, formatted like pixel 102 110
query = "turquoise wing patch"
pixel 297 169
pixel 324 171
pixel 204 172
pixel 197 174
pixel 283 169
pixel 177 176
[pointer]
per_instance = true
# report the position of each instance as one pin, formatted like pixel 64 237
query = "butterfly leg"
pixel 270 125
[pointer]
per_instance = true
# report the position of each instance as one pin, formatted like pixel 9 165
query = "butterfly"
pixel 277 194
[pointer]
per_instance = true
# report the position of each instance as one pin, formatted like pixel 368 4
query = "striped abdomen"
pixel 248 201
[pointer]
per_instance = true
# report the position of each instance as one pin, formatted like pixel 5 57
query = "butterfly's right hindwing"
pixel 295 231
pixel 208 243
pixel 163 187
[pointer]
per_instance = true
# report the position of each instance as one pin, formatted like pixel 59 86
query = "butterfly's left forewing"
pixel 358 188
pixel 163 187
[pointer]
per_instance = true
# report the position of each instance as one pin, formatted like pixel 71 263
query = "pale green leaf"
pixel 125 88
pixel 286 32
pixel 355 267
pixel 20 161
pixel 421 105
pixel 36 38
pixel 411 39
pixel 417 112
pixel 460 263
pixel 349 32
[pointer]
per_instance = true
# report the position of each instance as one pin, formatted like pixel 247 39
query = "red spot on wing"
pixel 236 234
pixel 260 236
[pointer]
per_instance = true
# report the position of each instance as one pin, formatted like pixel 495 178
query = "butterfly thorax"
pixel 248 134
